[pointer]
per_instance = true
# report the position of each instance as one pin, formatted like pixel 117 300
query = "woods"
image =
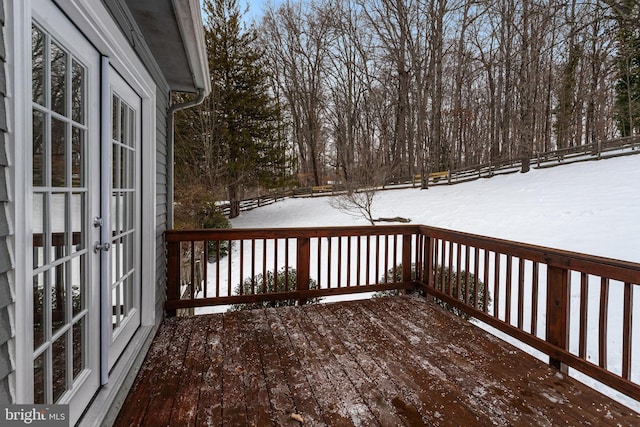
pixel 441 84
pixel 408 87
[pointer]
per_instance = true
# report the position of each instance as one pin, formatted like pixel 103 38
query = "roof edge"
pixel 189 19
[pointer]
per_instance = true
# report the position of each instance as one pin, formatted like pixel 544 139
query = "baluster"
pixel 349 260
pixel 286 263
pixel 285 286
pixel 264 268
pixel 602 322
pixel 358 258
pixel 339 261
pixel 508 285
pixel 377 260
pixel 496 285
pixel 319 239
pixel 534 298
pixel 521 293
pixel 476 273
pixel 329 262
pixel 582 335
pixel 485 294
pixel 627 330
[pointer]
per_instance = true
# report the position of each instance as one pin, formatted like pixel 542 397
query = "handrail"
pixel 575 308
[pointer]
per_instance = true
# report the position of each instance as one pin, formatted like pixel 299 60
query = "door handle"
pixel 104 247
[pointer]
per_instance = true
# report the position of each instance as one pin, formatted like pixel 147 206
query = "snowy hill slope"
pixel 591 207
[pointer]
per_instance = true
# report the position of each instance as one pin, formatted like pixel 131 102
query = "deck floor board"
pixel 385 361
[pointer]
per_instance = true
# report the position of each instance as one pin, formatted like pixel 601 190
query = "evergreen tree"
pixel 627 15
pixel 234 139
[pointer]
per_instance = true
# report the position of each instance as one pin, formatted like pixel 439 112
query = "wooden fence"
pixel 575 308
pixel 580 153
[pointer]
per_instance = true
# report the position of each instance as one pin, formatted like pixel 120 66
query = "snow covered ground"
pixel 591 207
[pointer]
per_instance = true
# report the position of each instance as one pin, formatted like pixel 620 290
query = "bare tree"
pixel 360 192
pixel 296 38
pixel 429 85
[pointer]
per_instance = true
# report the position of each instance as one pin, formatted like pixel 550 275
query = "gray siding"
pixel 162 97
pixel 6 299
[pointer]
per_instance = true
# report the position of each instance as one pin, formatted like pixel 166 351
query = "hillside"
pixel 591 207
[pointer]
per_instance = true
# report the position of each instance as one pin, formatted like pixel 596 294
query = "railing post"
pixel 303 257
pixel 558 295
pixel 173 274
pixel 599 149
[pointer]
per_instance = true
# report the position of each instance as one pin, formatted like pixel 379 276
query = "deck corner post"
pixel 558 295
pixel 173 275
pixel 303 258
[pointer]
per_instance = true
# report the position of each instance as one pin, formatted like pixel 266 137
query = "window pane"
pixel 77 157
pixel 115 259
pixel 124 123
pixel 116 308
pixel 59 349
pixel 128 297
pixel 132 169
pixel 132 127
pixel 77 284
pixel 115 165
pixel 39 371
pixel 78 348
pixel 77 92
pixel 123 167
pixel 58 79
pixel 60 206
pixel 39 240
pixel 115 118
pixel 58 153
pixel 77 222
pixel 39 153
pixel 39 301
pixel 37 65
pixel 58 297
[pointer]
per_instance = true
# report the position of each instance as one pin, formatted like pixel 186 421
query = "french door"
pixel 123 217
pixel 85 213
pixel 65 269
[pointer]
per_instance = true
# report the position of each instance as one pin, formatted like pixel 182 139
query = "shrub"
pixel 459 279
pixel 196 208
pixel 215 219
pixel 284 281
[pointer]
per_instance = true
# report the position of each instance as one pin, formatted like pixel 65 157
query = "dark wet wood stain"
pixel 386 361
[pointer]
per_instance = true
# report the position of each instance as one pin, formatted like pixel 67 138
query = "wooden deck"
pixel 388 361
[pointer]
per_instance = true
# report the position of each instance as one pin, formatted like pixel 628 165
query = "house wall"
pixel 6 265
pixel 162 100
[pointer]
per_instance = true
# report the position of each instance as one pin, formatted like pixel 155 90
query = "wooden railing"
pixel 325 261
pixel 575 308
